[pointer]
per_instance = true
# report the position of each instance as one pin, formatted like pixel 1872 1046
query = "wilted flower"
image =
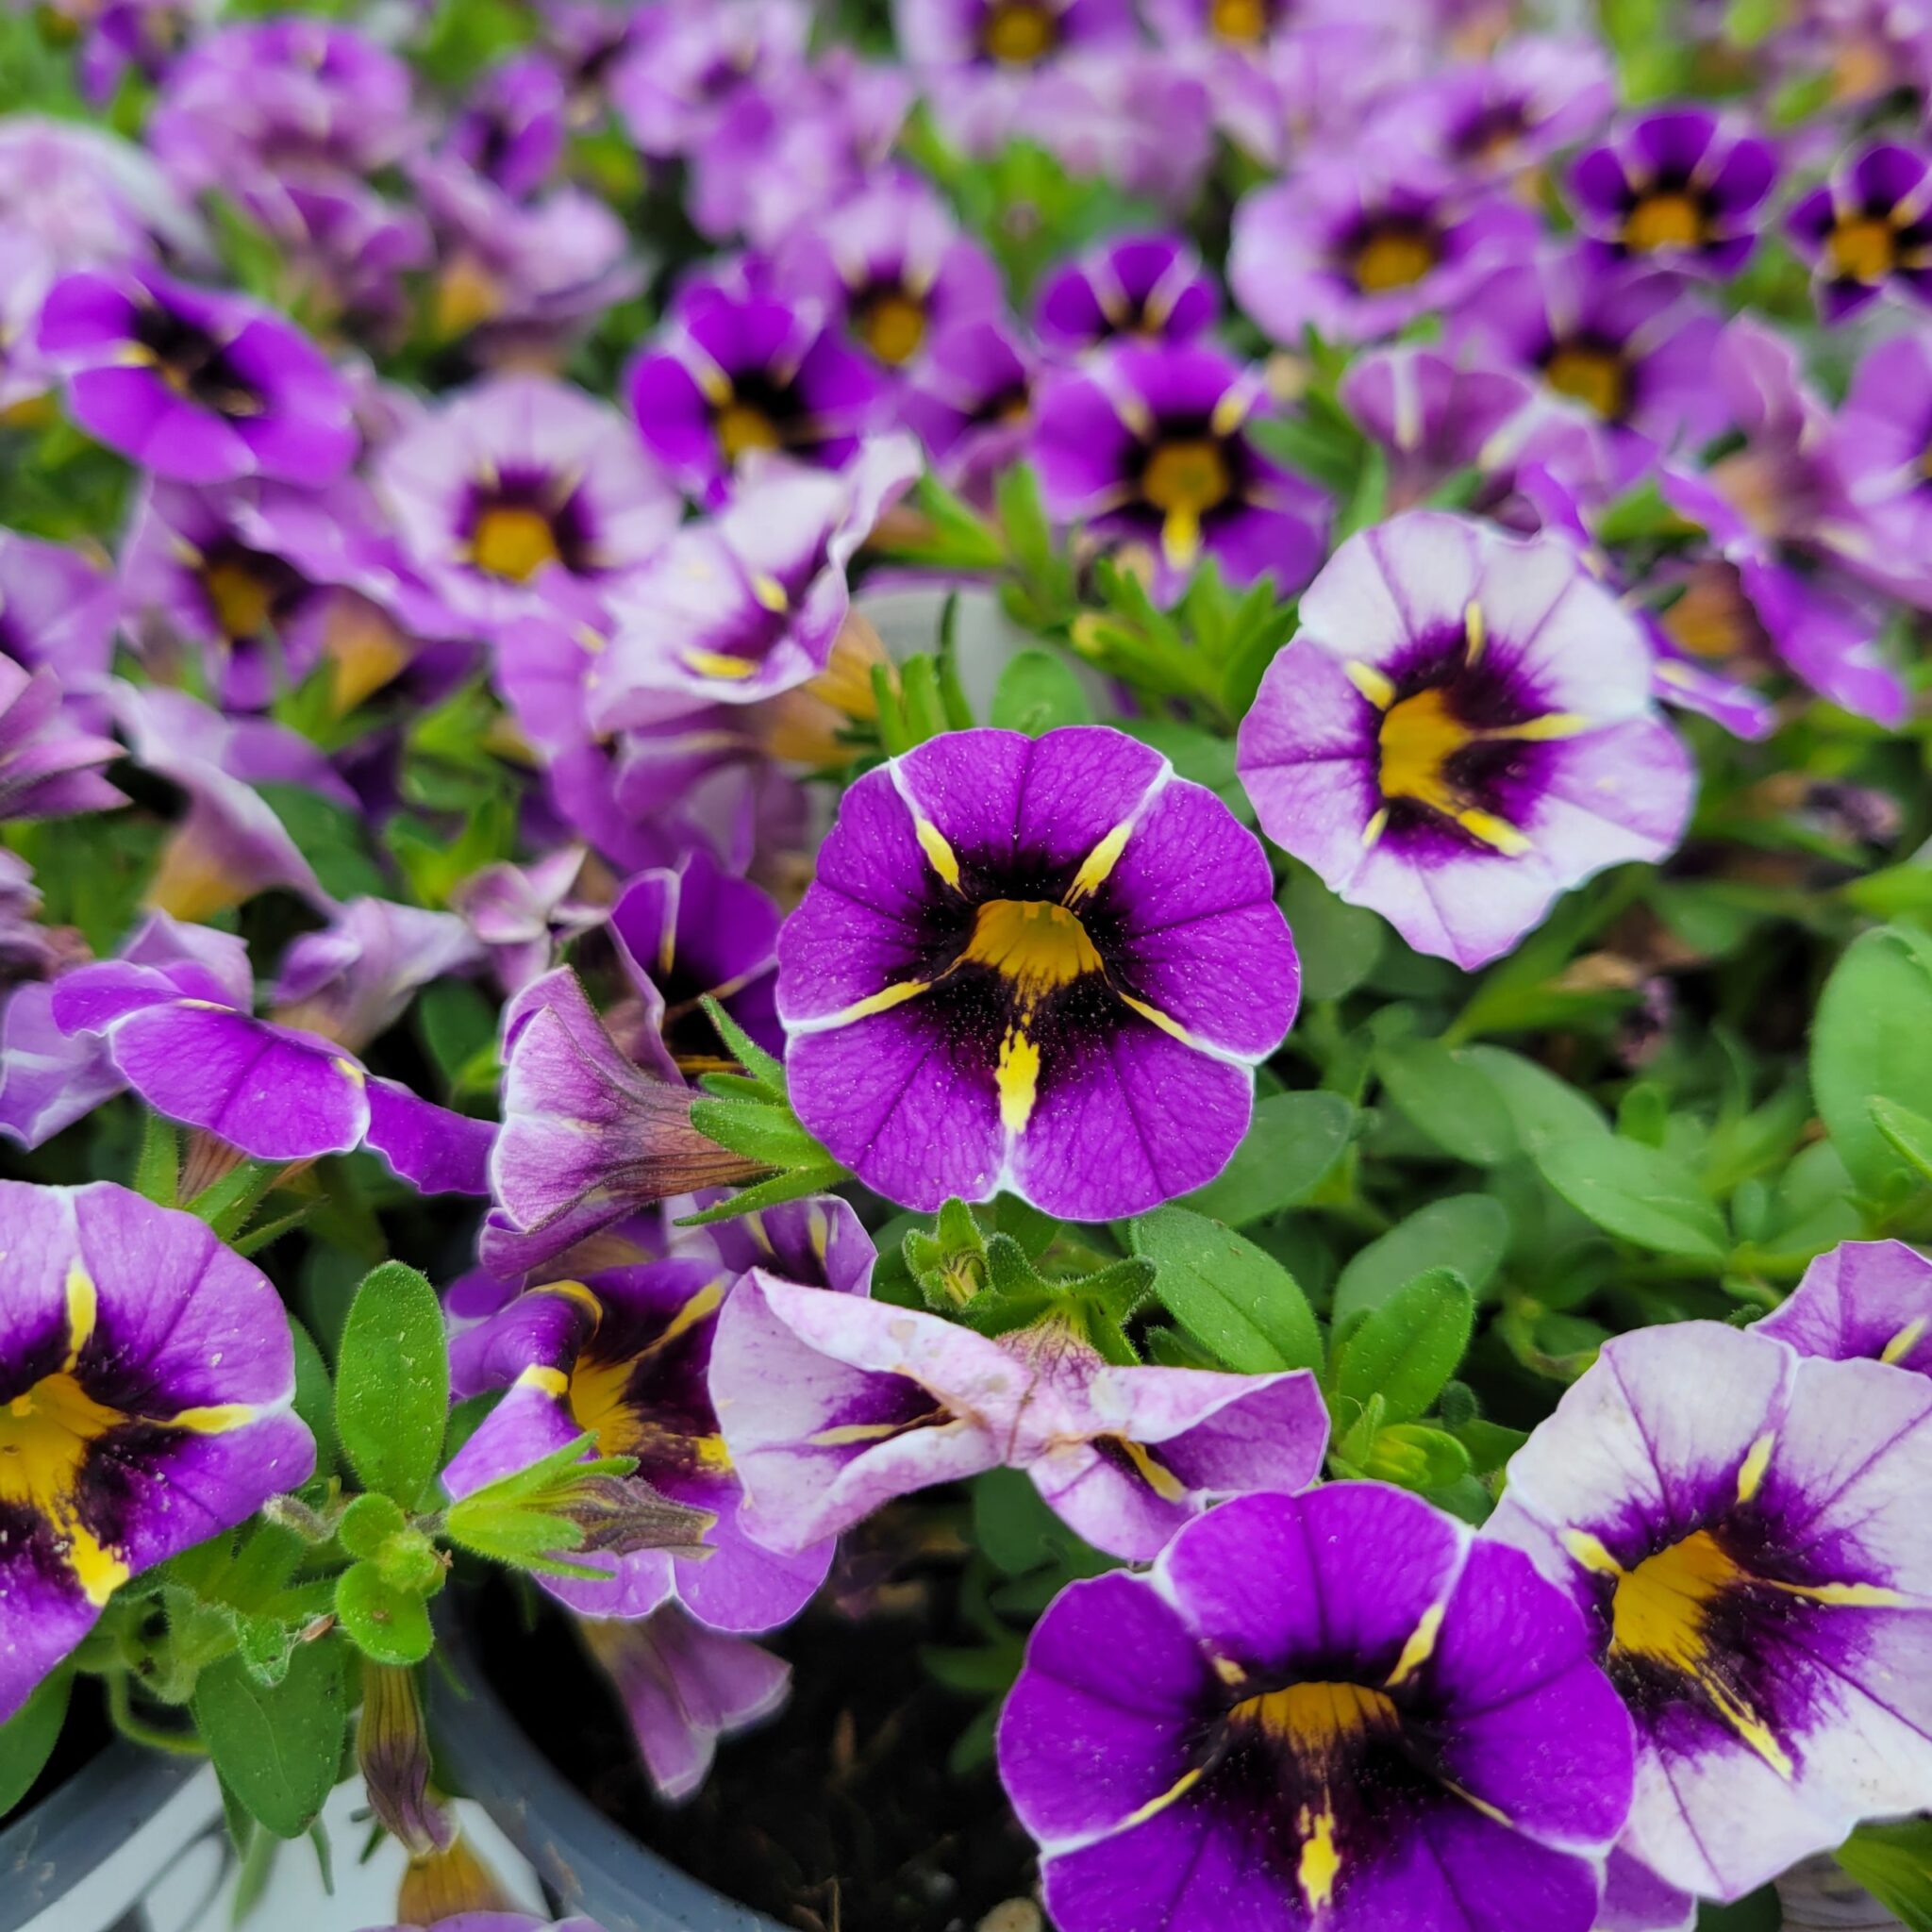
pixel 1044 965
pixel 144 1406
pixel 1461 728
pixel 392 1754
pixel 194 383
pixel 1332 1710
pixel 1740 1524
pixel 831 1406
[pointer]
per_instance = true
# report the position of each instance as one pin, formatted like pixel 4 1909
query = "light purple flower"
pixel 831 1406
pixel 1681 187
pixel 894 264
pixel 1867 231
pixel 1126 114
pixel 1010 35
pixel 970 403
pixel 498 1922
pixel 1462 729
pixel 353 980
pixel 1534 95
pixel 1745 1530
pixel 515 479
pixel 588 1136
pixel 90 197
pixel 512 125
pixel 49 766
pixel 684 1686
pixel 27 949
pixel 1044 965
pixel 521 913
pixel 692 63
pixel 1354 252
pixel 1149 443
pixel 1150 286
pixel 625 1356
pixel 198 385
pixel 1864 1299
pixel 748 603
pixel 1433 416
pixel 1334 1711
pixel 1878 447
pixel 57 612
pixel 737 373
pixel 144 1406
pixel 27 271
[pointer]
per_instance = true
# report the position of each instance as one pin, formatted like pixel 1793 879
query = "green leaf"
pixel 1416 1457
pixel 763 1131
pixel 1909 1133
pixel 1469 1233
pixel 1489 1444
pixel 1637 1193
pixel 392 1383
pixel 757 1062
pixel 1449 1097
pixel 1893 1862
pixel 158 1170
pixel 1339 943
pixel 1012 1526
pixel 315 1397
pixel 816 1180
pixel 28 1736
pixel 329 837
pixel 1408 1348
pixel 367 1524
pixel 1231 1297
pixel 1037 691
pixel 387 1625
pixel 1872 1041
pixel 279 1750
pixel 1295 1140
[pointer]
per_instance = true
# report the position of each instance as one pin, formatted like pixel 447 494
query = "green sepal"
pixel 796 1186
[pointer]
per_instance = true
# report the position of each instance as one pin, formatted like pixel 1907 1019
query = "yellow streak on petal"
pixel 1494 831
pixel 1158 1478
pixel 1180 537
pixel 1098 863
pixel 1179 1788
pixel 215 1419
pixel 1870 1596
pixel 881 1002
pixel 1903 1343
pixel 553 1382
pixel 1320 1863
pixel 939 854
pixel 857 1432
pixel 1017 1078
pixel 1377 825
pixel 1229 1672
pixel 1370 682
pixel 771 593
pixel 1751 1473
pixel 83 1310
pixel 718 664
pixel 1474 629
pixel 1165 1021
pixel 352 1072
pixel 1420 1647
pixel 1482 1805
pixel 1590 1552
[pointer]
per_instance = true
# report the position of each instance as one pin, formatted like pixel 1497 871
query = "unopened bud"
pixel 392 1752
pixel 621 1514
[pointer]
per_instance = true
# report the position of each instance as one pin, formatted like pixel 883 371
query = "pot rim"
pixel 588 1862
pixel 46 1852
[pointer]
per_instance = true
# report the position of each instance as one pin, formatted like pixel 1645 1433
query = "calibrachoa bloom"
pixel 1535 94
pixel 144 1406
pixel 1140 285
pixel 49 766
pixel 1743 1528
pixel 1044 965
pixel 1868 230
pixel 1864 1299
pixel 831 1406
pixel 1336 1711
pixel 1149 443
pixel 1461 728
pixel 196 384
pixel 1683 187
pixel 970 403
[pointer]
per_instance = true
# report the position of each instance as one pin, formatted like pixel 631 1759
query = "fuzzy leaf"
pixel 392 1383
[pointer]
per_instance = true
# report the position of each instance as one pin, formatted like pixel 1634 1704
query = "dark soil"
pixel 838 1815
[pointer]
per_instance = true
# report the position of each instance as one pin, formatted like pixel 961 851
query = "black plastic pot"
pixel 46 1852
pixel 587 1863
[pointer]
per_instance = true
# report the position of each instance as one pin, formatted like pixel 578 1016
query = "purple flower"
pixel 198 385
pixel 1043 965
pixel 194 1053
pixel 90 197
pixel 588 1136
pixel 1462 729
pixel 692 64
pixel 1141 286
pixel 683 1686
pixel 1010 35
pixel 627 1357
pixel 1335 1710
pixel 144 1406
pixel 1148 443
pixel 1433 416
pixel 1743 1528
pixel 735 372
pixel 1867 231
pixel 511 127
pixel 695 930
pixel 1628 350
pixel 521 913
pixel 831 1406
pixel 747 603
pixel 970 403
pixel 1681 187
pixel 516 479
pixel 894 264
pixel 1877 450
pixel 27 271
pixel 1497 117
pixel 1126 114
pixel 352 981
pixel 49 766
pixel 1354 253
pixel 26 947
pixel 1868 1299
pixel 497 1921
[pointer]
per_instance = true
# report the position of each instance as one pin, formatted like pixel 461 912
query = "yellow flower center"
pixel 1863 248
pixel 1033 943
pixel 1593 376
pixel 1420 735
pixel 741 427
pixel 598 1393
pixel 1243 20
pixel 241 598
pixel 44 1439
pixel 1670 220
pixel 894 326
pixel 1190 476
pixel 513 541
pixel 1315 1719
pixel 1019 33
pixel 1393 258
